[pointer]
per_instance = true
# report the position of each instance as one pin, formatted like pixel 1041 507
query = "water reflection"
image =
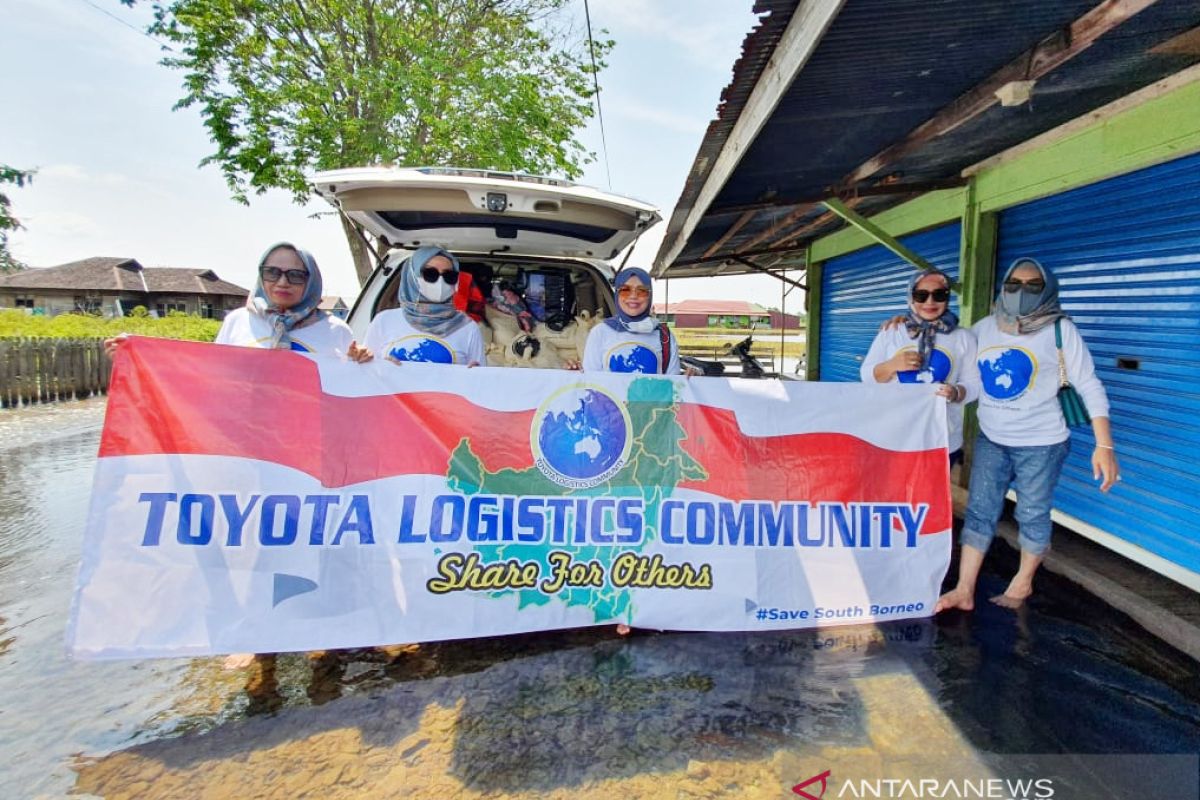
pixel 564 714
pixel 549 715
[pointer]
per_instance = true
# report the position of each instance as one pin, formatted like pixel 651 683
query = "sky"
pixel 88 106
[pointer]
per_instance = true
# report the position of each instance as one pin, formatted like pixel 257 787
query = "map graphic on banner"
pixel 591 424
pixel 250 500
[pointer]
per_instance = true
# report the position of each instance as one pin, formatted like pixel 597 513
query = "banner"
pixel 264 501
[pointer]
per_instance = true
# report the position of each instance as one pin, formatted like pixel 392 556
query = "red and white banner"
pixel 263 501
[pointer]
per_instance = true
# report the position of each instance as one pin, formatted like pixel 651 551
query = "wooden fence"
pixel 41 370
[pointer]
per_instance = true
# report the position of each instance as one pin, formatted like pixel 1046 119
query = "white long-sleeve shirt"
pixel 622 351
pixel 953 355
pixel 1017 380
pixel 327 336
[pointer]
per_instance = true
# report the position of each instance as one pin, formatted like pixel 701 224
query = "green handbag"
pixel 1074 411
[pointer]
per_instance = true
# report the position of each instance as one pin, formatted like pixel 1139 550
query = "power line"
pixel 133 28
pixel 596 83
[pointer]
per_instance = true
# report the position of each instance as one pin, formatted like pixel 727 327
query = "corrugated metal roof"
pixel 883 68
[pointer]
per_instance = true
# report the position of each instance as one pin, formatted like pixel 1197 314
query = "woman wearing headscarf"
pixel 927 347
pixel 427 326
pixel 1024 438
pixel 281 312
pixel 633 340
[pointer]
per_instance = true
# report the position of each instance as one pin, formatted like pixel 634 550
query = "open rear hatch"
pixel 486 212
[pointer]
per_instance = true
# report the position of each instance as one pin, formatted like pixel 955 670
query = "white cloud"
pixel 701 35
pixel 664 118
pixel 58 174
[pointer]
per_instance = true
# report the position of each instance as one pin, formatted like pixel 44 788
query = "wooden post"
pixel 5 347
pixel 23 360
pixel 105 367
pixel 53 382
pixel 80 369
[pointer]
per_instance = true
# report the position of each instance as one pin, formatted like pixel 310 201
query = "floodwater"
pixel 569 714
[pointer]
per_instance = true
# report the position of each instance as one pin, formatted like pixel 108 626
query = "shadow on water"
pixel 586 713
pixel 539 713
pixel 1064 674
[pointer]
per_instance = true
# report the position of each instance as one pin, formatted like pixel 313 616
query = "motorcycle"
pixel 709 369
pixel 751 368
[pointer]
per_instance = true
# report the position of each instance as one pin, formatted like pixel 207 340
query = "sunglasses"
pixel 633 291
pixel 296 277
pixel 1035 286
pixel 431 275
pixel 939 295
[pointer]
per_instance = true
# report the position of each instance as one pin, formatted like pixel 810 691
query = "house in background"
pixel 334 305
pixel 720 314
pixel 112 287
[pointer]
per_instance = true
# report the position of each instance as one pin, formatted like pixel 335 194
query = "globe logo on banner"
pixel 1006 372
pixel 420 348
pixel 629 357
pixel 937 371
pixel 580 436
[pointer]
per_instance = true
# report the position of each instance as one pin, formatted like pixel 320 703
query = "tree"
pixel 287 87
pixel 9 263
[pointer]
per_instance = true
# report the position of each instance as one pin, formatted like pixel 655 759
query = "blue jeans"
pixel 1032 472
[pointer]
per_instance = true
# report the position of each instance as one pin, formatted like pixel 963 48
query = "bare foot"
pixel 958 598
pixel 1019 590
pixel 1004 601
pixel 238 661
pixel 622 629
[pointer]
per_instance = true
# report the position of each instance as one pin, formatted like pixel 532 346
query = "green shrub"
pixel 177 325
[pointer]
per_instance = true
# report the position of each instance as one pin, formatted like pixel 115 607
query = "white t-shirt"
pixel 391 337
pixel 327 336
pixel 1018 383
pixel 952 353
pixel 623 351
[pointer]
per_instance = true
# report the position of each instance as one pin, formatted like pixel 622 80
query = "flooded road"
pixel 560 715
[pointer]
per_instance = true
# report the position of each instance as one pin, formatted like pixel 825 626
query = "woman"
pixel 927 347
pixel 1023 437
pixel 632 341
pixel 282 313
pixel 427 327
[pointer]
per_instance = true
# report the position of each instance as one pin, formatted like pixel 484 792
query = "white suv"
pixel 505 228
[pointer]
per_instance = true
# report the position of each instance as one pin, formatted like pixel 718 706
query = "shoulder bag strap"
pixel 1062 363
pixel 664 338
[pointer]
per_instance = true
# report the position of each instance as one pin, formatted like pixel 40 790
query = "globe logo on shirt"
pixel 580 436
pixel 420 348
pixel 293 345
pixel 937 371
pixel 1006 372
pixel 632 357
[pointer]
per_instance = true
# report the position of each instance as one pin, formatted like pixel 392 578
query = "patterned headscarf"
pixel 1044 313
pixel 621 321
pixel 305 312
pixel 925 331
pixel 439 319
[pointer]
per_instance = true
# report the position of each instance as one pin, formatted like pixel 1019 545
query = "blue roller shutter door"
pixel 1127 254
pixel 860 290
